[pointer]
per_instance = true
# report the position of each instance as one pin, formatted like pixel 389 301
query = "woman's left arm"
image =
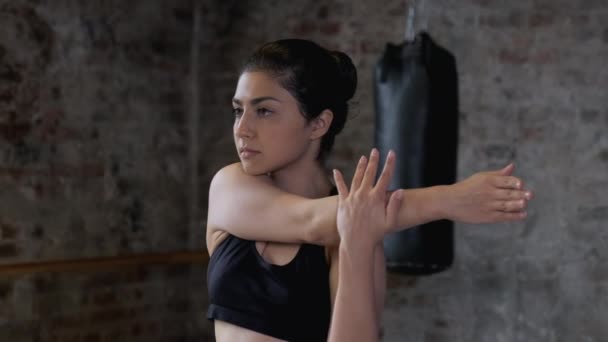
pixel 484 197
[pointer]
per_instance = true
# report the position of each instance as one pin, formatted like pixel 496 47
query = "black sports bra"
pixel 289 302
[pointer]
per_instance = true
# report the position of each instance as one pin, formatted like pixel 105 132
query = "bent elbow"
pixel 313 231
pixel 319 233
pixel 312 234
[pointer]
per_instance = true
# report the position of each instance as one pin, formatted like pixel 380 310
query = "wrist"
pixel 443 207
pixel 357 248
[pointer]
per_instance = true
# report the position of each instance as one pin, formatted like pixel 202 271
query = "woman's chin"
pixel 253 170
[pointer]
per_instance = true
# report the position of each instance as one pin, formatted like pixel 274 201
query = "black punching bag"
pixel 416 99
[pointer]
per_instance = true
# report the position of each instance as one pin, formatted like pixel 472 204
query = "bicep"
pixel 252 208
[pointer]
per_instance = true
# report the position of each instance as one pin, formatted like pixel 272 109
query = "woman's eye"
pixel 264 112
pixel 237 111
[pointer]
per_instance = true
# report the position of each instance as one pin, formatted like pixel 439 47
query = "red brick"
pixel 366 46
pixel 323 12
pixel 66 322
pixel 108 315
pixel 105 298
pixel 512 57
pixel 8 251
pixel 331 28
pixel 514 19
pixel 8 230
pixel 139 310
pixel 178 306
pixel 304 28
pixel 546 56
pixel 6 289
pixel 136 329
pixel 101 280
pixel 539 19
pixel 57 170
pixel 91 337
pixel 45 283
pixel 153 327
pixel 137 275
pixel 138 294
pixel 13 132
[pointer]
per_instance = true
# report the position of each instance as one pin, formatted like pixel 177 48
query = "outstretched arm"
pixel 251 207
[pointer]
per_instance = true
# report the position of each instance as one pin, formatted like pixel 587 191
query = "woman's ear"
pixel 321 124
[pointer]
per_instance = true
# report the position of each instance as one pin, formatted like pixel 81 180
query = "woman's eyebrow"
pixel 256 100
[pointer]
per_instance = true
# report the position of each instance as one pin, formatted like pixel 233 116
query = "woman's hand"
pixel 364 216
pixel 488 197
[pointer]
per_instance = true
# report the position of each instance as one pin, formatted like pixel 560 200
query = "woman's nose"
pixel 243 126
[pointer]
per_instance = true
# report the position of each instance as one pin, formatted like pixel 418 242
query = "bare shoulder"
pixel 220 183
pixel 226 176
pixel 230 169
pixel 232 175
pixel 227 184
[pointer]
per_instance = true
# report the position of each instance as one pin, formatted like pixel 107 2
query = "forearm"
pixel 422 205
pixel 354 314
pixel 321 221
pixel 379 283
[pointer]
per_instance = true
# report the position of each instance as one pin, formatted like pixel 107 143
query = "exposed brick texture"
pixel 94 124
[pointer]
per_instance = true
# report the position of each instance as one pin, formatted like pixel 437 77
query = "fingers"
pixel 507 182
pixel 387 172
pixel 393 207
pixel 508 170
pixel 340 185
pixel 359 171
pixel 370 172
pixel 510 206
pixel 512 195
pixel 365 173
pixel 505 171
pixel 507 217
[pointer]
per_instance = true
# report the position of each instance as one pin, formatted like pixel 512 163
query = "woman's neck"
pixel 303 178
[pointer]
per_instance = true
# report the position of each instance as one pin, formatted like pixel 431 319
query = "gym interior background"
pixel 114 115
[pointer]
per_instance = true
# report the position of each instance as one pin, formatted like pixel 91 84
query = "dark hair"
pixel 317 78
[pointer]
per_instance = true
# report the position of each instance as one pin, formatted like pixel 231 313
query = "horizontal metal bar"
pixel 103 263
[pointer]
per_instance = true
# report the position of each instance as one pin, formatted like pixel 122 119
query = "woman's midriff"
pixel 226 332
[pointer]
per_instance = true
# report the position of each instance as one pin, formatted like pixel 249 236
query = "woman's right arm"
pixel 252 208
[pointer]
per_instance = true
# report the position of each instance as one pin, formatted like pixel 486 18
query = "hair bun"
pixel 347 75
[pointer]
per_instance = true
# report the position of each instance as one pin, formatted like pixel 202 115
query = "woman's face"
pixel 270 132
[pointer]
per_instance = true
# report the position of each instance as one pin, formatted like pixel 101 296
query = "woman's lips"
pixel 246 154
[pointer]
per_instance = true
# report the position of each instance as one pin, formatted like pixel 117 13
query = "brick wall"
pixel 93 134
pixel 94 143
pixel 147 303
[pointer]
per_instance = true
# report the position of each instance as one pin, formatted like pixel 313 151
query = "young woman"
pixel 271 226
